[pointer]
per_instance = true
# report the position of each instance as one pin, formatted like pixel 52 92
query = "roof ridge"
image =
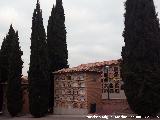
pixel 88 67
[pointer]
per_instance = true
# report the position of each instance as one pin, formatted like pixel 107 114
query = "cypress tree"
pixel 62 51
pixel 1 98
pixel 14 92
pixel 4 53
pixel 57 46
pixel 141 57
pixel 38 70
pixel 51 36
pixel 1 87
pixel 56 38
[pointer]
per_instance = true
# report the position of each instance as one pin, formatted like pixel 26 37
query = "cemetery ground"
pixel 69 117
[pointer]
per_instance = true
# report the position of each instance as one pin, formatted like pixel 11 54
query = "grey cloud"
pixel 94 27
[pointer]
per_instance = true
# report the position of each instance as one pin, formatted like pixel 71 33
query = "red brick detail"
pixel 115 107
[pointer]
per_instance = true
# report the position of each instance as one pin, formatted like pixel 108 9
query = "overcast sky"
pixel 94 27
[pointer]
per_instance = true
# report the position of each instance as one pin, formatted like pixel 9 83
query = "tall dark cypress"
pixel 56 38
pixel 1 98
pixel 57 45
pixel 1 88
pixel 14 92
pixel 4 65
pixel 3 73
pixel 62 52
pixel 51 36
pixel 38 69
pixel 4 53
pixel 141 57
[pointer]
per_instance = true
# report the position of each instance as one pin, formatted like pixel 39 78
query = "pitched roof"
pixel 90 67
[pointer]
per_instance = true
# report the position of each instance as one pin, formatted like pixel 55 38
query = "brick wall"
pixel 115 107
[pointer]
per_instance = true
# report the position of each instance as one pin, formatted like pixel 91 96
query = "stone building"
pixel 75 91
pixel 87 88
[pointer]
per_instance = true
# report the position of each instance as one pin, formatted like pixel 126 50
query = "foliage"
pixel 1 97
pixel 56 42
pixel 38 69
pixel 141 57
pixel 14 93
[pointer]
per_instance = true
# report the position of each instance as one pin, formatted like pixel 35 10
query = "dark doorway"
pixel 93 108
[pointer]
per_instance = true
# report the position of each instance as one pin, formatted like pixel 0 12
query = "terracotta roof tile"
pixel 91 67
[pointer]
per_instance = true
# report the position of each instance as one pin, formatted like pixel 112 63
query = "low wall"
pixel 25 108
pixel 115 106
pixel 70 111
